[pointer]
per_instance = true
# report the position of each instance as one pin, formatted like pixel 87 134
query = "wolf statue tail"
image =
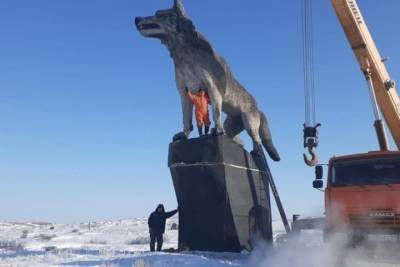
pixel 266 139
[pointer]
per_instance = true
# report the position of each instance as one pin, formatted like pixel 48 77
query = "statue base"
pixel 224 205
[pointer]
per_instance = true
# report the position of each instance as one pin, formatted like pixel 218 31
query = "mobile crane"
pixel 362 194
pixel 363 190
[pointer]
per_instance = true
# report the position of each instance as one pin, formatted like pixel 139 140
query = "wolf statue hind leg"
pixel 251 123
pixel 256 126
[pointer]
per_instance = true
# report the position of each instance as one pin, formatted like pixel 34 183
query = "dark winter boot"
pixel 206 129
pixel 200 128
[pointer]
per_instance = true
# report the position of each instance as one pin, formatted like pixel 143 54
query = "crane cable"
pixel 308 63
pixel 310 132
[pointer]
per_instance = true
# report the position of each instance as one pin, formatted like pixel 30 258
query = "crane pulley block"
pixel 310 135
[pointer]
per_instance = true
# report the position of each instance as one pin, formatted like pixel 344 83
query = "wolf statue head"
pixel 172 27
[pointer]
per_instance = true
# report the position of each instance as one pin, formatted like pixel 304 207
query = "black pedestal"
pixel 223 202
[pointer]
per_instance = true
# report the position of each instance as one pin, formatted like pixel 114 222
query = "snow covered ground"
pixel 43 244
pixel 125 243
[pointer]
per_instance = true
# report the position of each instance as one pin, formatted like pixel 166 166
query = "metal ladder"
pixel 261 161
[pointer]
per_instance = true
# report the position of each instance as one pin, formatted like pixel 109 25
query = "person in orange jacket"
pixel 200 101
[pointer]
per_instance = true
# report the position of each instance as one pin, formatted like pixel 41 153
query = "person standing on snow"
pixel 200 101
pixel 157 226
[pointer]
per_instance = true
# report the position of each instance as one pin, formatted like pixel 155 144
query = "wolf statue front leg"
pixel 187 113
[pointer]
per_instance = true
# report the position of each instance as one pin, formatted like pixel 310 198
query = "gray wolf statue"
pixel 197 66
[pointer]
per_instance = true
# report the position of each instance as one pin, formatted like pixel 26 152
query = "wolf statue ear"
pixel 178 6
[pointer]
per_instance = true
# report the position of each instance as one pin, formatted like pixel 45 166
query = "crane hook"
pixel 314 158
pixel 310 135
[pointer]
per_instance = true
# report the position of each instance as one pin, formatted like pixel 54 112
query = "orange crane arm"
pixel 371 62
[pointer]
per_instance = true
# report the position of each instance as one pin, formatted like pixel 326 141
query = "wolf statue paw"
pixel 179 136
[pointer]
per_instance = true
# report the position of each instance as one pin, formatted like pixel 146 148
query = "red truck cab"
pixel 363 193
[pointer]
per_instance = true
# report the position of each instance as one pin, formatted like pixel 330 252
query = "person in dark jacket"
pixel 157 226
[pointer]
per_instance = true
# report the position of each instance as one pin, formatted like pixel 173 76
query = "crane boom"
pixel 370 62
